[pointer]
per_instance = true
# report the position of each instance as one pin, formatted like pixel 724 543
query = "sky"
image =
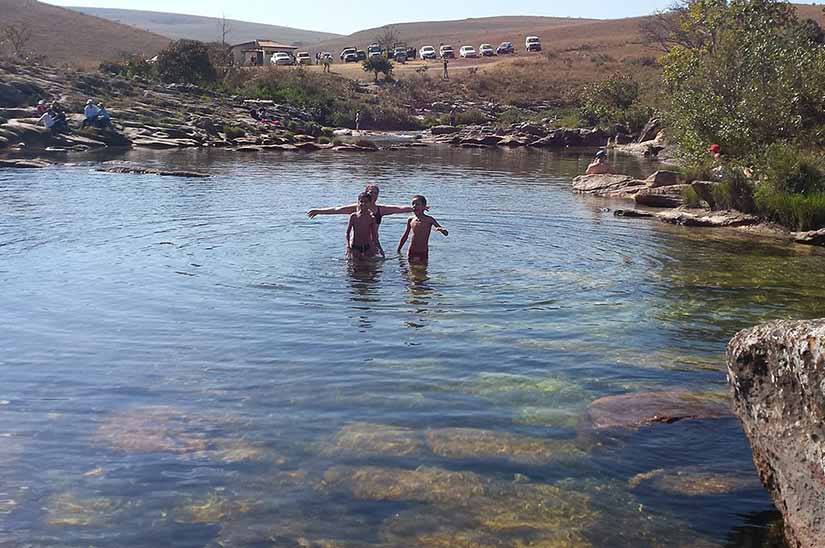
pixel 346 17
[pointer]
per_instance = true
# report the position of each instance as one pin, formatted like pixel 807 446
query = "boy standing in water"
pixel 364 231
pixel 420 225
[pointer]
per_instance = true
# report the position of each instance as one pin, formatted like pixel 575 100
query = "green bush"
pixel 378 65
pixel 613 100
pixel 690 197
pixel 795 211
pixel 787 169
pixel 337 142
pixel 323 140
pixel 233 132
pixel 186 61
pixel 470 117
pixel 735 192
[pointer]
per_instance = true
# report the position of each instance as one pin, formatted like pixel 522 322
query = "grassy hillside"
pixel 206 29
pixel 66 36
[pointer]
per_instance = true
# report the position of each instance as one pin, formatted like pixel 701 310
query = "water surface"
pixel 195 363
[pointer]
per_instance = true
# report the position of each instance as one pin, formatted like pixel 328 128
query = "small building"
pixel 258 52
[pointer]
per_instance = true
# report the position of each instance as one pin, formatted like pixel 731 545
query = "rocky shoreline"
pixel 663 192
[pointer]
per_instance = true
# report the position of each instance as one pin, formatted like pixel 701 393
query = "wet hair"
pixel 372 190
pixel 364 196
pixel 419 198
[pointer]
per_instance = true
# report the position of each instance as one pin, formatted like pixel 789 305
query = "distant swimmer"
pixel 362 231
pixel 420 225
pixel 599 166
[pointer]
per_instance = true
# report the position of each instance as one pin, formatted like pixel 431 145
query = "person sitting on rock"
pixel 55 121
pixel 103 120
pixel 90 114
pixel 599 166
pixel 42 107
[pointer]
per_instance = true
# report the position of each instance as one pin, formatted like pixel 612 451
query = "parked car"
pixel 349 55
pixel 303 58
pixel 281 58
pixel 532 43
pixel 505 48
pixel 428 52
pixel 446 52
pixel 362 55
pixel 372 54
pixel 467 52
pixel 412 53
pixel 486 50
pixel 374 49
pixel 400 54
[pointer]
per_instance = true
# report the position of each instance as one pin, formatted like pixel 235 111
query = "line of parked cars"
pixel 403 53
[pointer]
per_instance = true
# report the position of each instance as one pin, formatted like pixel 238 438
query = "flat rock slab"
pixel 636 213
pixel 777 377
pixel 635 410
pixel 152 171
pixel 24 164
pixel 813 237
pixel 708 219
pixel 607 185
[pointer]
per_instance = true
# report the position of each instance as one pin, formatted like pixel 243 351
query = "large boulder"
pixel 709 219
pixel 777 377
pixel 663 178
pixel 663 196
pixel 650 131
pixel 811 237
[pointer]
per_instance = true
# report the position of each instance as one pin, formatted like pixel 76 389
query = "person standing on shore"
pixel 445 76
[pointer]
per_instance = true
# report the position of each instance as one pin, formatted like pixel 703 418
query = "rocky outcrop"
pixel 523 134
pixel 611 186
pixel 24 164
pixel 708 218
pixel 777 378
pixel 662 178
pixel 138 170
pixel 662 196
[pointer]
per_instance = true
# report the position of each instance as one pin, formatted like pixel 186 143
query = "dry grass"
pixel 64 36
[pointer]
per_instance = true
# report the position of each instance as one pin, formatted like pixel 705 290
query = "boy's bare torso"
pixel 362 226
pixel 420 229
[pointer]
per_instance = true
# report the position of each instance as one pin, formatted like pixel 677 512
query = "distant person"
pixel 599 166
pixel 42 107
pixel 358 121
pixel 90 114
pixel 327 63
pixel 362 231
pixel 104 119
pixel 318 58
pixel 445 76
pixel 718 170
pixel 420 225
pixel 55 121
pixel 452 116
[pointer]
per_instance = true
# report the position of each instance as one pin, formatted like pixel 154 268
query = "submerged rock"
pixel 777 378
pixel 215 508
pixel 695 481
pixel 635 410
pixel 474 443
pixel 70 509
pixel 363 439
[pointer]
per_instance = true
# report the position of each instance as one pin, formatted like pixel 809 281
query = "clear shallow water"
pixel 194 362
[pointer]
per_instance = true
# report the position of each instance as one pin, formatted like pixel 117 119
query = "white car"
pixel 427 52
pixel 349 55
pixel 446 52
pixel 303 58
pixel 467 52
pixel 532 43
pixel 486 50
pixel 281 58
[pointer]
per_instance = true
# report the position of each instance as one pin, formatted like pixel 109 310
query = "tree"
pixel 614 100
pixel 387 37
pixel 186 61
pixel 756 77
pixel 378 65
pixel 17 36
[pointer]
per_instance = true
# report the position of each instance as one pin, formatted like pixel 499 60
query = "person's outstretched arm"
pixel 349 231
pixel 340 210
pixel 393 209
pixel 404 237
pixel 439 228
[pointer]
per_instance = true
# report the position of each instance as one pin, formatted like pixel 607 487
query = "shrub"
pixel 233 132
pixel 795 211
pixel 323 140
pixel 787 169
pixel 365 143
pixel 337 142
pixel 378 65
pixel 470 117
pixel 735 192
pixel 690 197
pixel 614 100
pixel 186 61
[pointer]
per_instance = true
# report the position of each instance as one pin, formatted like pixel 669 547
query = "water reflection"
pixel 364 277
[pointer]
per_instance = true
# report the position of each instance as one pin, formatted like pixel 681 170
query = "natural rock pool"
pixel 194 362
